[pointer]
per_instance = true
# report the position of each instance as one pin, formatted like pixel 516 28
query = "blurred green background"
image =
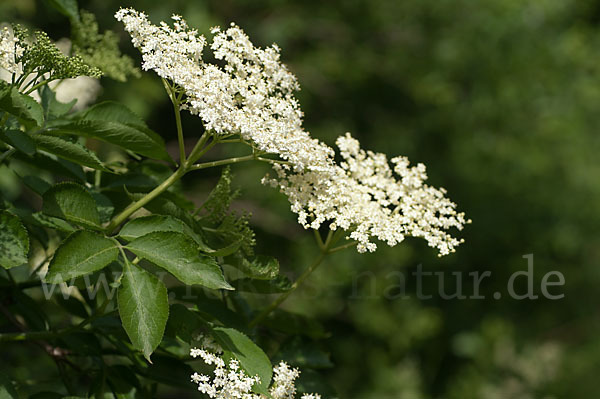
pixel 500 99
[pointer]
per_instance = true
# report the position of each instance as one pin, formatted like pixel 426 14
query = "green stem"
pixel 319 240
pixel 179 135
pixel 187 166
pixel 272 161
pixel 228 161
pixel 38 85
pixel 97 178
pixel 199 149
pixel 232 141
pixel 177 111
pixel 342 247
pixel 121 217
pixel 223 162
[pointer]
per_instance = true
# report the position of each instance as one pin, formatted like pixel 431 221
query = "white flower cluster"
pixel 251 93
pixel 230 381
pixel 362 194
pixel 10 50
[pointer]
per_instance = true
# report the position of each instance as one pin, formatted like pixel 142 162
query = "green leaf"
pixel 104 205
pixel 52 222
pixel 14 241
pixel 68 8
pixel 52 107
pixel 261 267
pixel 20 140
pixel 147 224
pixel 227 250
pixel 115 124
pixel 143 307
pixel 49 162
pixel 70 201
pixel 20 105
pixel 7 390
pixel 164 206
pixel 113 111
pixel 81 253
pixel 252 359
pixel 71 151
pixel 178 254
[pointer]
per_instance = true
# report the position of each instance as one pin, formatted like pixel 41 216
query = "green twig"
pixel 199 148
pixel 121 217
pixel 223 162
pixel 177 110
pixel 318 238
pixel 37 86
pixel 342 247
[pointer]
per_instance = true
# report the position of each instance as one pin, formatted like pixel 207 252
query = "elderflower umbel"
pixel 10 50
pixel 251 93
pixel 363 195
pixel 231 381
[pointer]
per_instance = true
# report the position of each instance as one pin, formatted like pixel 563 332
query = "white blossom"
pixel 251 93
pixel 365 196
pixel 10 50
pixel 231 381
pixel 283 381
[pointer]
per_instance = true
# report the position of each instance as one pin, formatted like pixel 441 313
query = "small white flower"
pixel 231 381
pixel 10 50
